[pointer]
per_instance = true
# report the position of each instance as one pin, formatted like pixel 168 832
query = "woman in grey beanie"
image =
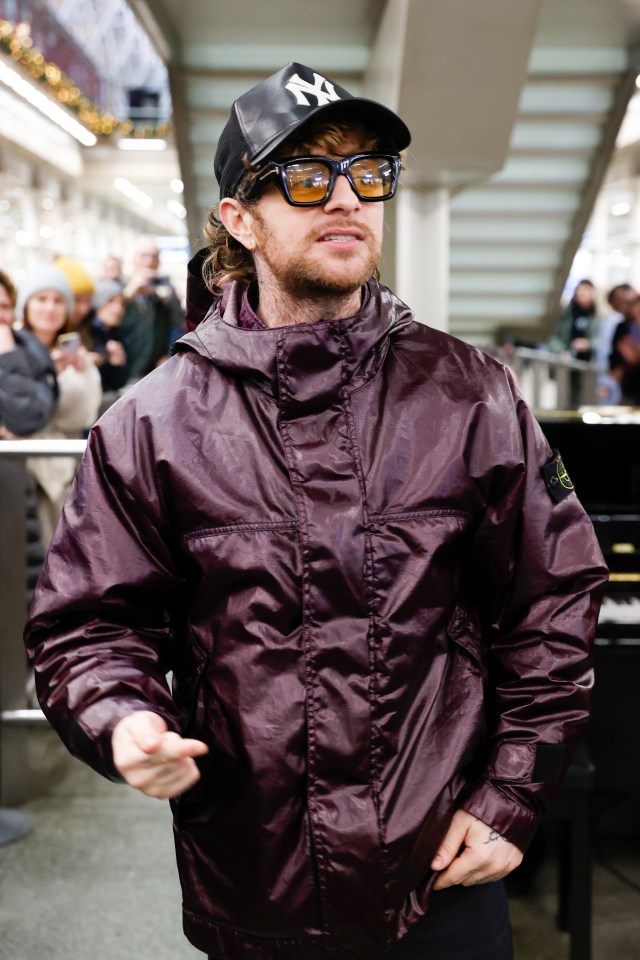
pixel 40 279
pixel 45 304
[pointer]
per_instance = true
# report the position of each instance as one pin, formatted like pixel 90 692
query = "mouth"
pixel 342 237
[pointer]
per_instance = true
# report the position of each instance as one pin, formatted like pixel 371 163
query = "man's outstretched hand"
pixel 485 856
pixel 152 758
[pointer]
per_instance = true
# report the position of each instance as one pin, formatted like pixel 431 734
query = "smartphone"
pixel 69 342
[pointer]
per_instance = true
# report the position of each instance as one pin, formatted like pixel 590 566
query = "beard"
pixel 305 278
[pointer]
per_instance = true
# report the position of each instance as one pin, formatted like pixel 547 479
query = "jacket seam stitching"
pixel 316 835
pixel 207 532
pixel 420 515
pixel 249 934
pixel 374 644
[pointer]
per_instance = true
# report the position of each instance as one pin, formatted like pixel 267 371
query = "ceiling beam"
pixel 185 156
pixel 458 69
pixel 158 27
pixel 604 153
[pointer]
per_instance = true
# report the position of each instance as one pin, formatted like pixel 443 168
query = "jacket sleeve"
pixel 26 401
pixel 542 571
pixel 99 628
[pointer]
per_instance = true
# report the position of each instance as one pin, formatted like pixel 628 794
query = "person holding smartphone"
pixel 153 317
pixel 45 304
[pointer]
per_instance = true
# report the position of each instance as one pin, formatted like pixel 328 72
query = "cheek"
pixel 377 224
pixel 36 314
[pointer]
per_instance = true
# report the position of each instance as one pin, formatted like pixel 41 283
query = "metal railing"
pixel 549 381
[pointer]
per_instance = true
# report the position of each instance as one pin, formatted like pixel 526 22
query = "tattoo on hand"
pixel 493 836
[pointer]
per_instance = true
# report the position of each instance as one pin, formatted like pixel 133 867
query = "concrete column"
pixel 422 264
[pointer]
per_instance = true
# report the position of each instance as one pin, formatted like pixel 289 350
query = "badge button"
pixel 556 478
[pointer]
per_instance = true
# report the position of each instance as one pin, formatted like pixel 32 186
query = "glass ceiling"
pixel 110 35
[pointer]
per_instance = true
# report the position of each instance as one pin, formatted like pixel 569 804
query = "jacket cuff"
pixel 93 729
pixel 511 820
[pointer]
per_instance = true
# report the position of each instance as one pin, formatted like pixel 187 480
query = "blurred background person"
pixel 106 344
pixel 153 316
pixel 45 306
pixel 82 288
pixel 575 330
pixel 28 391
pixel 620 299
pixel 28 387
pixel 625 355
pixel 574 334
pixel 112 270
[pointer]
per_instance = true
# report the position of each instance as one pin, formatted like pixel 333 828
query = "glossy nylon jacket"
pixel 339 538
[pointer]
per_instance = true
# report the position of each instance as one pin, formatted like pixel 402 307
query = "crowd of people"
pixel 610 340
pixel 69 346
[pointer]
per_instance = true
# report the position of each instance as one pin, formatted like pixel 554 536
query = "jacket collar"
pixel 305 366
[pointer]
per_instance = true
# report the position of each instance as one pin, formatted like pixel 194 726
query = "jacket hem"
pixel 232 943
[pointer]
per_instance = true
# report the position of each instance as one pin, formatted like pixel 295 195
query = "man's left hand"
pixel 485 855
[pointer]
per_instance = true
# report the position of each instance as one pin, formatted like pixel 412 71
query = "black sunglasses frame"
pixel 275 172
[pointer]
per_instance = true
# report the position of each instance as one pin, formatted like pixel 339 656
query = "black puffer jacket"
pixel 28 387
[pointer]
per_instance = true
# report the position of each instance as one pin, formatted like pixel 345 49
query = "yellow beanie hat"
pixel 78 278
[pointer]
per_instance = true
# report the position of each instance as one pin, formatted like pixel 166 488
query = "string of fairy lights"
pixel 16 41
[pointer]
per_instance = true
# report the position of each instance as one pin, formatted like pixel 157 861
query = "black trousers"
pixel 462 923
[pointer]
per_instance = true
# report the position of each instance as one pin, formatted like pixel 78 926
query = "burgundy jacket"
pixel 340 539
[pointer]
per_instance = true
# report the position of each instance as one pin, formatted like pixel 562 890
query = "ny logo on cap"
pixel 299 87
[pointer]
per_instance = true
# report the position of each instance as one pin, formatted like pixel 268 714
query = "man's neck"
pixel 277 308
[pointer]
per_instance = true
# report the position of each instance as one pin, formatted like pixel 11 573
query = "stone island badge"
pixel 556 478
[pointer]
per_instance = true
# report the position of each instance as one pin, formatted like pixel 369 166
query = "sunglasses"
pixel 308 181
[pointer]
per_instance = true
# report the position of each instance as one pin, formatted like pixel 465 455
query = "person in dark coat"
pixel 575 331
pixel 28 387
pixel 28 391
pixel 346 536
pixel 153 316
pixel 624 360
pixel 105 341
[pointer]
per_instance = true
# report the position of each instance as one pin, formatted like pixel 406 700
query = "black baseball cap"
pixel 263 117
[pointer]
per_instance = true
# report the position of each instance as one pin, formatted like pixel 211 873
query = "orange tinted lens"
pixel 307 182
pixel 373 176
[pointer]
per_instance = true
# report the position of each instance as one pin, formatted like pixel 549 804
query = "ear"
pixel 238 222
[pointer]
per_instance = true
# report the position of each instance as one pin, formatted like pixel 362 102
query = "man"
pixel 153 313
pixel 345 534
pixel 112 269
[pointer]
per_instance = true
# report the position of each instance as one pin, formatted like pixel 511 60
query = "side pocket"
pixel 187 681
pixel 465 635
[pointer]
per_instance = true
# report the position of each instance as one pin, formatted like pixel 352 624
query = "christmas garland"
pixel 15 40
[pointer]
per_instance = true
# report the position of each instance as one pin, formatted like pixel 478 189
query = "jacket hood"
pixel 302 364
pixel 199 297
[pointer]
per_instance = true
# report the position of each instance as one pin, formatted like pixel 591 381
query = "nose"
pixel 343 196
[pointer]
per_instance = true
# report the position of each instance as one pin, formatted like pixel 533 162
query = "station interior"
pixel 522 179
